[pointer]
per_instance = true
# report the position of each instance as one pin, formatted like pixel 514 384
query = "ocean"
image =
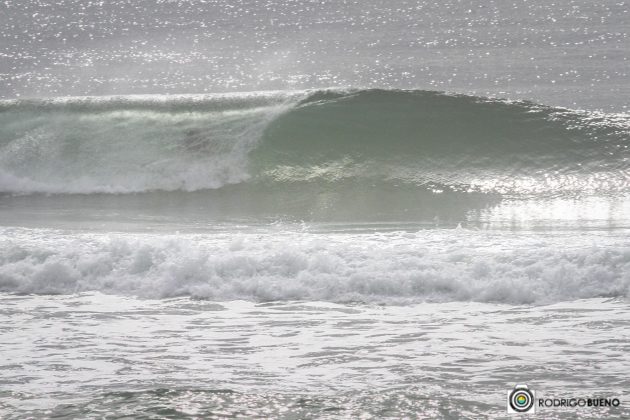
pixel 314 209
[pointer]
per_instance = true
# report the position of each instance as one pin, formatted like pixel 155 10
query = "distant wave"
pixel 390 268
pixel 424 140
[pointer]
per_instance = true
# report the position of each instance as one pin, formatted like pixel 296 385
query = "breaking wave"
pixel 335 139
pixel 390 268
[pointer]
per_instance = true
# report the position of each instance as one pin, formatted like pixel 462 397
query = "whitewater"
pixel 313 209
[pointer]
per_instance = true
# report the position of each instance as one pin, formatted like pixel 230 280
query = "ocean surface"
pixel 301 210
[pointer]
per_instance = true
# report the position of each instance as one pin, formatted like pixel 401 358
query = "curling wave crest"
pixel 428 140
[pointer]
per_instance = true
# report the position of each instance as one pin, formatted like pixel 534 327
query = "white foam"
pixel 454 265
pixel 129 150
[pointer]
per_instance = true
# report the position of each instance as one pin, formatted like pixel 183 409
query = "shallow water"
pixel 104 354
pixel 291 323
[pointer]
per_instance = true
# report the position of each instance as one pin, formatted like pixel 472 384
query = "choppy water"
pixel 90 355
pixel 332 218
pixel 570 53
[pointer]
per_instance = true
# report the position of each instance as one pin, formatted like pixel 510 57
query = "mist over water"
pixel 335 209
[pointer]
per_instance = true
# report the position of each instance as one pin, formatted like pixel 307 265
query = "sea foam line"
pixel 394 268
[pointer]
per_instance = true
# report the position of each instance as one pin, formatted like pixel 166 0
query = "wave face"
pixel 334 139
pixel 391 268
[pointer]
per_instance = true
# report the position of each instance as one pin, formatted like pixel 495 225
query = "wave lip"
pixel 131 144
pixel 390 268
pixel 429 140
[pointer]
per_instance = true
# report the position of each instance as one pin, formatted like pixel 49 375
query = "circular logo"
pixel 521 399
